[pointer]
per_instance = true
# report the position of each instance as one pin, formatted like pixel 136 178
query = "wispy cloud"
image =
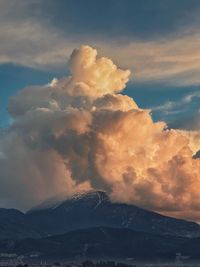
pixel 31 41
pixel 173 61
pixel 174 107
pixel 191 123
pixel 186 109
pixel 165 107
pixel 189 97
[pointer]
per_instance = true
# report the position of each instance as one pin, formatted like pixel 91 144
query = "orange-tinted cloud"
pixel 80 133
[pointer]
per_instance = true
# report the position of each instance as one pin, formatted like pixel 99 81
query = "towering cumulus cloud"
pixel 79 133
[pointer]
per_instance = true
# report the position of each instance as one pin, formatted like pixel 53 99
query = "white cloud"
pixel 189 97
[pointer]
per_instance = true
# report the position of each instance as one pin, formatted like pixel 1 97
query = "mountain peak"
pixel 95 194
pixel 94 209
pixel 91 195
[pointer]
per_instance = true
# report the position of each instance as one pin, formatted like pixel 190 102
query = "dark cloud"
pixel 141 19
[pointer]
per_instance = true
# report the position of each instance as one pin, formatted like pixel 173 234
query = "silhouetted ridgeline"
pixel 89 210
pixel 83 264
pixel 90 226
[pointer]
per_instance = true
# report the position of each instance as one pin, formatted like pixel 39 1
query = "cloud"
pixel 166 107
pixel 189 97
pixel 27 38
pixel 186 120
pixel 174 107
pixel 80 133
pixel 191 122
pixel 174 61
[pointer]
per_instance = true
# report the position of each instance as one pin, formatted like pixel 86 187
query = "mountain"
pixel 98 243
pixel 95 209
pixel 15 224
pixel 90 225
pixel 88 210
pixel 191 248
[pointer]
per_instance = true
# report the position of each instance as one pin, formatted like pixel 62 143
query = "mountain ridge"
pixel 95 209
pixel 88 210
pixel 57 201
pixel 98 242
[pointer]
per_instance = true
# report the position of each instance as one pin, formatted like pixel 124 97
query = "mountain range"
pixel 98 243
pixel 91 225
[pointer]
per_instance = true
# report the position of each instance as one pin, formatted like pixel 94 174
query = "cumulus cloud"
pixel 79 133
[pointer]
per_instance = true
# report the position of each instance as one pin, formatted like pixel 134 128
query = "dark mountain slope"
pixel 101 242
pixel 89 210
pixel 94 209
pixel 14 224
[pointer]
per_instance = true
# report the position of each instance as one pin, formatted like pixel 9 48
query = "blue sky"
pixel 157 40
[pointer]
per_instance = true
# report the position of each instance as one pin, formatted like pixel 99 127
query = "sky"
pixel 101 95
pixel 157 40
